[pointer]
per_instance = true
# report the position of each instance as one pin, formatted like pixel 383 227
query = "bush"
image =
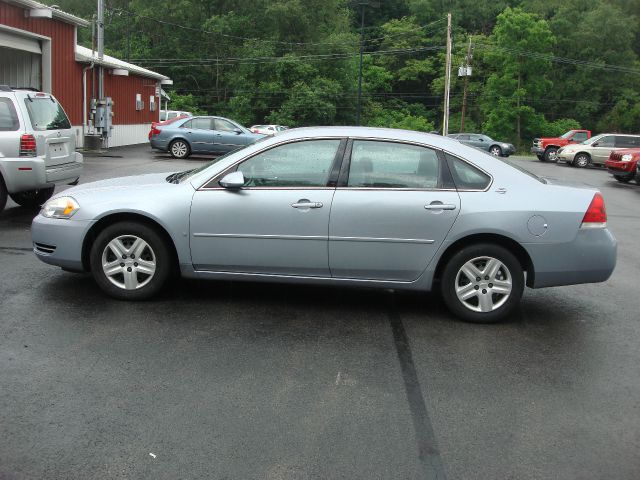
pixel 559 127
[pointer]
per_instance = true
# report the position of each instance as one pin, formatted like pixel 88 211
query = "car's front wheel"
pixel 32 198
pixel 581 160
pixel 3 194
pixel 482 283
pixel 551 154
pixel 622 179
pixel 179 149
pixel 130 261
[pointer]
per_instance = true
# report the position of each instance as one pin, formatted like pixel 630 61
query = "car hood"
pixel 152 180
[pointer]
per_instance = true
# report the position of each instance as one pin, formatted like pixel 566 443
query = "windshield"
pixel 567 135
pixel 46 114
pixel 589 141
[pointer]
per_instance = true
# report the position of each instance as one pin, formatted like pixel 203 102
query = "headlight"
pixel 61 207
pixel 627 158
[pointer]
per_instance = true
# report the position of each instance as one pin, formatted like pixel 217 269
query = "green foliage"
pixel 559 127
pixel 398 115
pixel 187 103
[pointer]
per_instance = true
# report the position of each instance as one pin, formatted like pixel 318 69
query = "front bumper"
pixel 589 258
pixel 537 150
pixel 59 241
pixel 565 157
pixel 620 167
pixel 30 173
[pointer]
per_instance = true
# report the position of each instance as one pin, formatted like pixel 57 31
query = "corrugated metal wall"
pixel 66 74
pixel 123 91
pixel 19 68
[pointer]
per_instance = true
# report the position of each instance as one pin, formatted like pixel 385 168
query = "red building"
pixel 38 49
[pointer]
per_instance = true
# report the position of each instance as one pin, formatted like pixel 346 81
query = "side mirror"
pixel 232 180
pixel 481 139
pixel 237 130
pixel 596 144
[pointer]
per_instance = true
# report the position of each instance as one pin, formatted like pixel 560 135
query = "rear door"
pixel 51 127
pixel 9 129
pixel 390 212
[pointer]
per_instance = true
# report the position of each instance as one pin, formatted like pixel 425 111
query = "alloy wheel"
pixel 128 262
pixel 483 284
pixel 495 151
pixel 179 149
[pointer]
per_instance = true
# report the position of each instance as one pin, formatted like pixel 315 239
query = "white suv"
pixel 37 147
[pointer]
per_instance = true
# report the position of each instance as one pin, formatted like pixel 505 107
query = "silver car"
pixel 596 150
pixel 484 142
pixel 37 147
pixel 337 205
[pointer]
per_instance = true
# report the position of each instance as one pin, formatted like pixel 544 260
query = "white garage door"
pixel 20 61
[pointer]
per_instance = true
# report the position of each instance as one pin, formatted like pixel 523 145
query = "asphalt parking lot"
pixel 243 381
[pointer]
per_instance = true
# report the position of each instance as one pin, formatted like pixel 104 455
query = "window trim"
pixel 488 187
pixel 346 166
pixel 335 166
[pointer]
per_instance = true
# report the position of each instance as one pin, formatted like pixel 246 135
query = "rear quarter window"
pixel 8 116
pixel 46 114
pixel 466 176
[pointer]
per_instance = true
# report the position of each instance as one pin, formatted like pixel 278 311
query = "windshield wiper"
pixel 176 177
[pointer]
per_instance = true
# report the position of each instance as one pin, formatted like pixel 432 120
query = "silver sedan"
pixel 337 205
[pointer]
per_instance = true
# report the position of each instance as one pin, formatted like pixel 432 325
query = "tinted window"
pixel 224 125
pixel 464 137
pixel 172 115
pixel 201 123
pixel 392 165
pixel 579 137
pixel 466 176
pixel 46 114
pixel 627 142
pixel 608 141
pixel 8 116
pixel 300 164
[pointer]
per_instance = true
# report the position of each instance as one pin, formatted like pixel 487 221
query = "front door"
pixel 390 215
pixel 226 136
pixel 278 222
pixel 601 149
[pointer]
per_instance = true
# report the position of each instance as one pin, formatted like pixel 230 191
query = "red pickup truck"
pixel 546 148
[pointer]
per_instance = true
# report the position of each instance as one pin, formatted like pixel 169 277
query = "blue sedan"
pixel 337 205
pixel 211 135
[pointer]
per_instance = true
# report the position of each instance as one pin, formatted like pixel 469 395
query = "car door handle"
pixel 307 205
pixel 440 206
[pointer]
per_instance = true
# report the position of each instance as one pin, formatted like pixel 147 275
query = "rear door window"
pixel 46 113
pixel 8 116
pixel 201 124
pixel 627 142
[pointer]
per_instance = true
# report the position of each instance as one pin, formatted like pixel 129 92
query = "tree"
pixel 517 53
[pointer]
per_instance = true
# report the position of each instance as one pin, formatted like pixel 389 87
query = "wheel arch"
pixel 551 146
pixel 509 243
pixel 117 217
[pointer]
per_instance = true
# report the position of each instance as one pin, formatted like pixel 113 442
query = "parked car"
pixel 352 206
pixel 622 164
pixel 37 147
pixel 546 148
pixel 483 142
pixel 154 131
pixel 267 129
pixel 169 114
pixel 189 135
pixel 596 150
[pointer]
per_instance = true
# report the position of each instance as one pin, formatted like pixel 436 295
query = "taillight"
pixel 596 215
pixel 27 145
pixel 155 131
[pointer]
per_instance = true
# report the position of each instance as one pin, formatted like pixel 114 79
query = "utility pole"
pixel 447 80
pixel 467 73
pixel 359 107
pixel 100 42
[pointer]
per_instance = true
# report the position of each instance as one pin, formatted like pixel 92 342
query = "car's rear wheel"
pixel 495 150
pixel 482 283
pixel 32 198
pixel 3 194
pixel 622 179
pixel 551 154
pixel 179 149
pixel 581 160
pixel 130 261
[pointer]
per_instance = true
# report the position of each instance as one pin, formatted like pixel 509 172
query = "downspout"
pixel 84 100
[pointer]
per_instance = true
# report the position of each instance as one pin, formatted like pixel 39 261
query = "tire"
pixel 32 198
pixel 540 157
pixel 581 160
pixel 496 305
pixel 550 154
pixel 495 150
pixel 136 280
pixel 623 179
pixel 179 149
pixel 3 194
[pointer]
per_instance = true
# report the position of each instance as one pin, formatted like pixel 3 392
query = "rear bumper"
pixel 30 173
pixel 590 258
pixel 59 241
pixel 159 144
